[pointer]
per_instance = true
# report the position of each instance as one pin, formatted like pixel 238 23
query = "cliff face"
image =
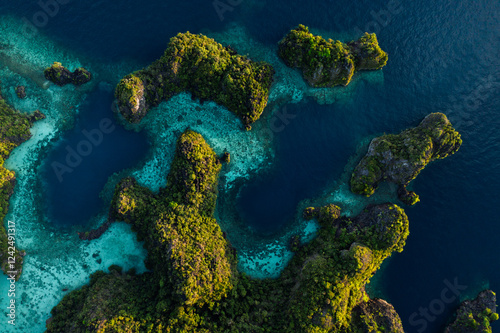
pixel 376 315
pixel 14 130
pixel 327 63
pixel 475 316
pixel 205 68
pixel 399 158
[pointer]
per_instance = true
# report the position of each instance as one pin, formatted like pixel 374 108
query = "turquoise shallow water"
pixel 443 56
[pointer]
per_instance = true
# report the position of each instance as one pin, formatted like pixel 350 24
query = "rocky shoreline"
pixel 328 63
pixel 399 158
pixel 206 69
pixel 475 316
pixel 62 76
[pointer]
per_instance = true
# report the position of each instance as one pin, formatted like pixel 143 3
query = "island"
pixel 206 69
pixel 193 285
pixel 328 63
pixel 475 316
pixel 14 130
pixel 399 158
pixel 62 76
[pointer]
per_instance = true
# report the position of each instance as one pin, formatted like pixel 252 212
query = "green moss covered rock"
pixel 475 316
pixel 376 315
pixel 367 53
pixel 399 158
pixel 61 76
pixel 187 251
pixel 328 63
pixel 327 277
pixel 205 68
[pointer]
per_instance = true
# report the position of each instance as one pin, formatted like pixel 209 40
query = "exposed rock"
pixel 206 69
pixel 376 315
pixel 226 157
pixel 399 158
pixel 475 316
pixel 95 233
pixel 367 53
pixel 61 76
pixel 327 63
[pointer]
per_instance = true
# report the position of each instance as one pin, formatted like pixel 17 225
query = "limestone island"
pixel 328 63
pixel 475 316
pixel 399 158
pixel 62 76
pixel 14 130
pixel 206 69
pixel 193 284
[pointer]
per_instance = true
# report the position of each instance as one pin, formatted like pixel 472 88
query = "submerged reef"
pixel 194 286
pixel 205 68
pixel 475 316
pixel 61 76
pixel 328 63
pixel 14 130
pixel 399 158
pixel 186 248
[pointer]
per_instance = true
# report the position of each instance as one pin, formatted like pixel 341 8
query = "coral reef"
pixel 193 284
pixel 328 63
pixel 205 68
pixel 14 130
pixel 475 316
pixel 61 76
pixel 399 158
pixel 187 250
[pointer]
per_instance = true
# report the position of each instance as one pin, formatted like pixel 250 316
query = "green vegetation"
pixel 14 130
pixel 327 63
pixel 194 286
pixel 475 316
pixel 61 76
pixel 399 158
pixel 187 252
pixel 205 68
pixel 376 316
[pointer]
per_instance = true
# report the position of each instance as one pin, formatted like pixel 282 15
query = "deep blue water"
pixel 443 56
pixel 304 160
pixel 77 168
